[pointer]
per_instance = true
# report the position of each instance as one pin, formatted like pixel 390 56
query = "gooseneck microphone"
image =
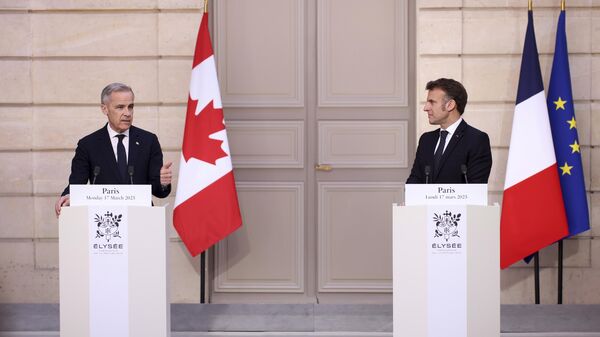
pixel 463 169
pixel 96 173
pixel 130 171
pixel 427 173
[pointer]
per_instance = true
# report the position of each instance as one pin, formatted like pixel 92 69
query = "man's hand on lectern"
pixel 64 200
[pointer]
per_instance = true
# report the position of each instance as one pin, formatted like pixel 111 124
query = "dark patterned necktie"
pixel 122 158
pixel 437 156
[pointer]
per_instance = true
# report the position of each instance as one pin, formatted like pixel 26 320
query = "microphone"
pixel 463 169
pixel 96 173
pixel 130 170
pixel 427 173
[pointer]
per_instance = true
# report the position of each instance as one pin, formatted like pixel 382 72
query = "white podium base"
pixel 148 312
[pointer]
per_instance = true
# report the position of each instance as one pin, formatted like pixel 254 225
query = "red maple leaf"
pixel 196 143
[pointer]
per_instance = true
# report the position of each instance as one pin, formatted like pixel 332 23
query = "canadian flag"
pixel 533 213
pixel 206 205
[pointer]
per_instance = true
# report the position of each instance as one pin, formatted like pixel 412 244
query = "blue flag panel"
pixel 530 78
pixel 564 134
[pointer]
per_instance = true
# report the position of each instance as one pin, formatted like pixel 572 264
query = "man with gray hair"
pixel 119 153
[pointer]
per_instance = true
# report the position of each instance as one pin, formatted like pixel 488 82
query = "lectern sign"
pixel 447 270
pixel 121 195
pixel 445 194
pixel 109 271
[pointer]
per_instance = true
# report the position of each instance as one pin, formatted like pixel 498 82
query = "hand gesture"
pixel 166 174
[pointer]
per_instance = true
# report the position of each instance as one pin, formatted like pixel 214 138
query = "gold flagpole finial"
pixel 205 6
pixel 562 5
pixel 530 5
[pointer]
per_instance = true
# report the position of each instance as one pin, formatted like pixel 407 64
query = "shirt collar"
pixel 451 129
pixel 112 133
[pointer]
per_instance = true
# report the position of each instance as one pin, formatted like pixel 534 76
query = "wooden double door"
pixel 319 101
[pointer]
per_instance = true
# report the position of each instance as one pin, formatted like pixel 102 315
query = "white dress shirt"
pixel 451 129
pixel 112 134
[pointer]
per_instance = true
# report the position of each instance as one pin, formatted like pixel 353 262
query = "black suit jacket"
pixel 95 149
pixel 468 146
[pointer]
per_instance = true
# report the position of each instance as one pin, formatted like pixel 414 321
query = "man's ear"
pixel 450 105
pixel 104 109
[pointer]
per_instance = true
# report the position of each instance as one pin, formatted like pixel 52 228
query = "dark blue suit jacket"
pixel 95 149
pixel 468 146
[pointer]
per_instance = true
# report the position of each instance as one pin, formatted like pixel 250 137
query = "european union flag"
pixel 564 134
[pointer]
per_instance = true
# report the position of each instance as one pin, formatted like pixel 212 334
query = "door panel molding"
pixel 267 253
pixel 354 68
pixel 254 38
pixel 355 249
pixel 363 144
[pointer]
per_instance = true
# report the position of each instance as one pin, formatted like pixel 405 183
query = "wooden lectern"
pixel 446 267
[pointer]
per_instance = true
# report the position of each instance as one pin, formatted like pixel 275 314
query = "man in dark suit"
pixel 119 153
pixel 456 152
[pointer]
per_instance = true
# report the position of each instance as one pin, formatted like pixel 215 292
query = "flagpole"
pixel 536 273
pixel 536 255
pixel 560 271
pixel 203 254
pixel 203 277
pixel 560 243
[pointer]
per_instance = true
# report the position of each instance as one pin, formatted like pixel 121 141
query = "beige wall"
pixel 55 57
pixel 480 43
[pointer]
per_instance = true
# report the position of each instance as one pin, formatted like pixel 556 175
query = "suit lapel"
pixel 134 143
pixel 456 137
pixel 430 146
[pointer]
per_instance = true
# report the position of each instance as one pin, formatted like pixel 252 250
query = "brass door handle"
pixel 323 167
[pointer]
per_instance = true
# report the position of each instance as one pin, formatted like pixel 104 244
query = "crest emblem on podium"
pixel 446 225
pixel 108 225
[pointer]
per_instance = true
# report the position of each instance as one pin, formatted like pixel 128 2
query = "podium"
pixel 446 267
pixel 113 264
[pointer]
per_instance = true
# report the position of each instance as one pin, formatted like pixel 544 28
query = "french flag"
pixel 533 213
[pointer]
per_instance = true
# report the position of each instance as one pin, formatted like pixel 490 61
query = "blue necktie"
pixel 122 158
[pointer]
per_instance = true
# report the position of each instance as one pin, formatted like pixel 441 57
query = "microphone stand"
pixel 130 170
pixel 96 173
pixel 463 169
